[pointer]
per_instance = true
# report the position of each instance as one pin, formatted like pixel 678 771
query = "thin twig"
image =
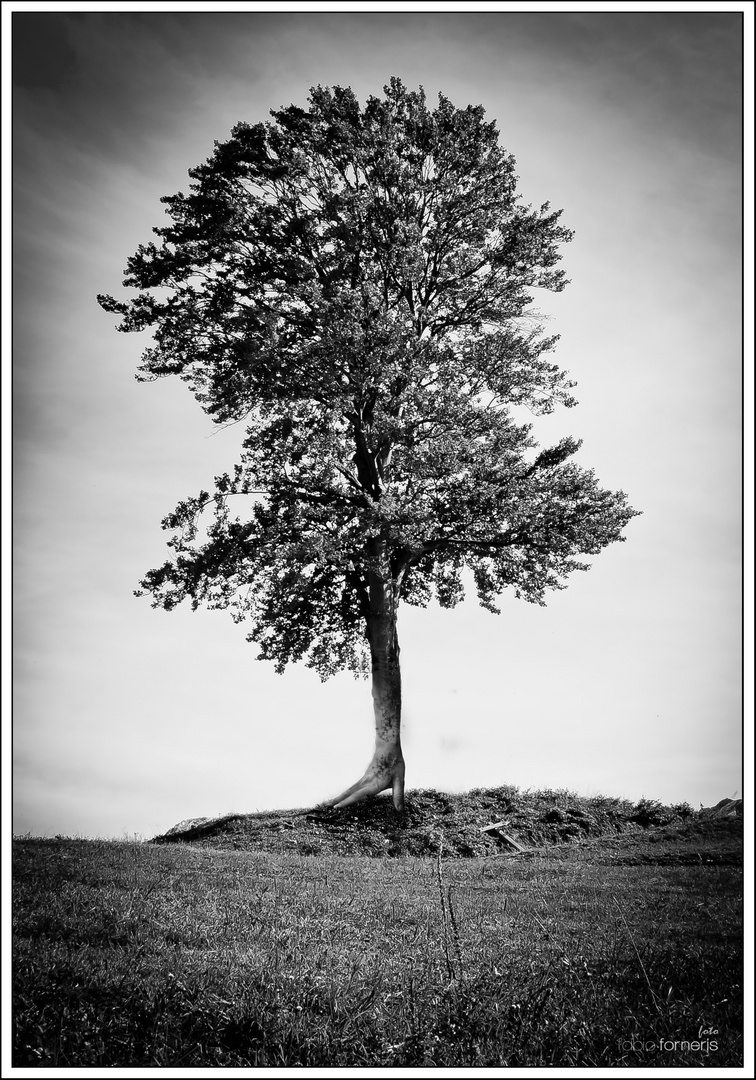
pixel 440 878
pixel 640 962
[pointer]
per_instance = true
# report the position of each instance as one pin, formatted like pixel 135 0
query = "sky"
pixel 127 720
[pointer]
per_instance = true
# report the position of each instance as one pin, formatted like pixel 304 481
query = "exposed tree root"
pixel 386 770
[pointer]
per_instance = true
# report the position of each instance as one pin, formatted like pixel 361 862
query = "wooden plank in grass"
pixel 497 830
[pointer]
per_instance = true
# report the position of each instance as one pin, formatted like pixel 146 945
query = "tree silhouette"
pixel 354 286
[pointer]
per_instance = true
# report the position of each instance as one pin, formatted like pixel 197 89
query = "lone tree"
pixel 353 285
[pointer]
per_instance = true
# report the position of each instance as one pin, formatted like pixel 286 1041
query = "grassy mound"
pixel 434 820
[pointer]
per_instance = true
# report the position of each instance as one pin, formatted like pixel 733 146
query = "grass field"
pixel 145 954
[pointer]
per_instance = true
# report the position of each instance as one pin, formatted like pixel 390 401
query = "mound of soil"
pixel 644 831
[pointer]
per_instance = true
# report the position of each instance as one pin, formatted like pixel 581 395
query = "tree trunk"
pixel 386 770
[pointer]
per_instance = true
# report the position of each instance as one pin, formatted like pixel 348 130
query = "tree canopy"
pixel 354 286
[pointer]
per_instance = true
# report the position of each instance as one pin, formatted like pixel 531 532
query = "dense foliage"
pixel 354 286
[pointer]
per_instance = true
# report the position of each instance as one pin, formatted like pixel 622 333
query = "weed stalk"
pixel 449 918
pixel 638 955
